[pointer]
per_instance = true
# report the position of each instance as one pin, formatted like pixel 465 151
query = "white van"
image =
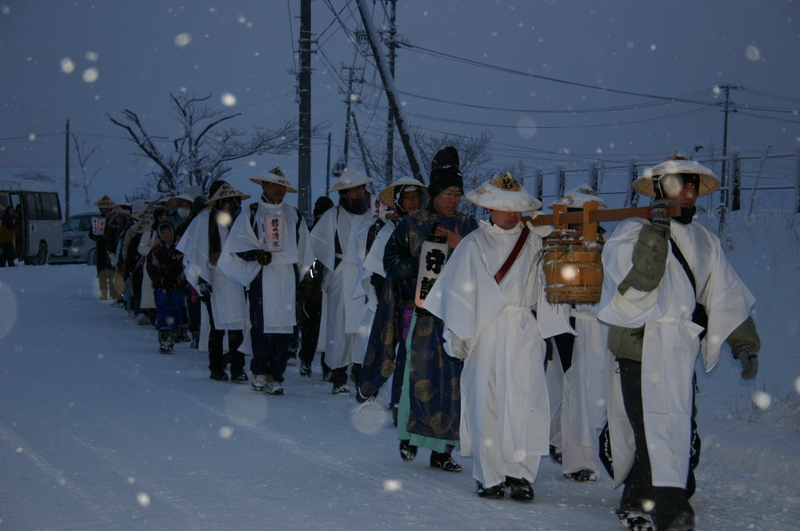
pixel 38 219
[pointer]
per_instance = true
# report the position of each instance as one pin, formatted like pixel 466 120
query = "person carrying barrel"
pixel 668 293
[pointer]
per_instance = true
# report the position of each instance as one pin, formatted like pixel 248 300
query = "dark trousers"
pixel 310 314
pixel 669 501
pixel 270 351
pixel 169 308
pixel 216 355
pixel 7 254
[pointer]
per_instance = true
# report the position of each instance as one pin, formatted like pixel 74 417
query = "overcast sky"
pixel 511 68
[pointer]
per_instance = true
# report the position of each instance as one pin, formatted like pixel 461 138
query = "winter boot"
pixel 220 376
pixel 355 374
pixel 259 384
pixel 305 369
pixel 444 461
pixel 341 389
pixel 103 294
pixel 519 489
pixel 274 388
pixel 498 491
pixel 195 340
pixel 164 343
pixel 407 451
pixel 582 476
pixel 239 377
pixel 555 455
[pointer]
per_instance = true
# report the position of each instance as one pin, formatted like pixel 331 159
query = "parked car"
pixel 78 247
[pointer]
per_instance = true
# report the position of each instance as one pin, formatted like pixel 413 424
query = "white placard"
pixel 432 258
pixel 271 232
pixel 98 226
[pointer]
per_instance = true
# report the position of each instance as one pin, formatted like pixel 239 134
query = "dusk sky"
pixel 531 73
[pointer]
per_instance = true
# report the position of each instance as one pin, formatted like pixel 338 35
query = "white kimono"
pixel 279 279
pixel 671 341
pixel 343 317
pixel 583 391
pixel 504 406
pixel 148 301
pixel 228 303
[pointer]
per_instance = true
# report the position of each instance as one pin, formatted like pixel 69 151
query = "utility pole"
pixel 724 180
pixel 66 173
pixel 392 45
pixel 363 148
pixel 304 126
pixel 349 102
pixel 391 92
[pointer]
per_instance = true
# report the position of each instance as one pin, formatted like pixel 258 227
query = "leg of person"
pixel 258 365
pixel 310 314
pixel 235 340
pixel 276 360
pixel 162 321
pixel 216 362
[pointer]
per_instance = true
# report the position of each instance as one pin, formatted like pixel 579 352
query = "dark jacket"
pixel 165 267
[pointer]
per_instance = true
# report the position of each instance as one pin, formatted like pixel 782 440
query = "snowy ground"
pixel 99 431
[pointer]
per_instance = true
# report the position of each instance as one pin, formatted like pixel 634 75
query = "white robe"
pixel 504 406
pixel 228 302
pixel 671 341
pixel 584 391
pixel 343 313
pixel 145 246
pixel 278 279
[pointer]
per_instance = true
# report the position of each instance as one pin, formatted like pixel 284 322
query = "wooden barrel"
pixel 573 268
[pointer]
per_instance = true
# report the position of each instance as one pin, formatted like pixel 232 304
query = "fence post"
pixel 736 181
pixel 561 181
pixel 593 175
pixel 631 199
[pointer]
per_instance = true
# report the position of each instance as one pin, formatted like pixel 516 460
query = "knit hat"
pixel 504 193
pixel 224 192
pixel 445 172
pixel 275 175
pixel 349 179
pixel 675 166
pixel 322 205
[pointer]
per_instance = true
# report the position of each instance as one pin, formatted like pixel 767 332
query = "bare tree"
pixel 201 154
pixel 83 159
pixel 472 154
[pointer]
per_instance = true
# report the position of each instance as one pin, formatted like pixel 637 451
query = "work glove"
pixel 749 359
pixel 658 212
pixel 112 259
pixel 204 289
pixel 264 257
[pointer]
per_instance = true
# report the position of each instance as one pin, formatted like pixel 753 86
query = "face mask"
pixel 184 212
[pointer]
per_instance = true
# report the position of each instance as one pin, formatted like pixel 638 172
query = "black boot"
pixel 519 489
pixel 444 461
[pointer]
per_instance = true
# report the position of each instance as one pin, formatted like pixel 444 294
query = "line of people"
pixel 454 312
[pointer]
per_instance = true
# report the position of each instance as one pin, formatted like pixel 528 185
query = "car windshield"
pixel 78 223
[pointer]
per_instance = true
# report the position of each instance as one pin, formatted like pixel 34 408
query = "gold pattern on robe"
pixel 424 390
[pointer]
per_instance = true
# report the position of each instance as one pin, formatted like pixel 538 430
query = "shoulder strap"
pixel 513 256
pixel 682 259
pixel 253 210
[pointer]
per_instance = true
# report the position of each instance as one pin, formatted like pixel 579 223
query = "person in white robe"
pixel 224 299
pixel 658 277
pixel 577 374
pixel 335 246
pixel 269 250
pixel 490 323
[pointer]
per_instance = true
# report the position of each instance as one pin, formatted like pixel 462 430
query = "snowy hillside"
pixel 98 431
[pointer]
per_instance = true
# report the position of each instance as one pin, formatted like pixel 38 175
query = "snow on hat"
pixel 580 195
pixel 408 184
pixel 349 179
pixel 118 212
pixel 275 175
pixel 677 164
pixel 105 202
pixel 503 193
pixel 445 172
pixel 224 192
